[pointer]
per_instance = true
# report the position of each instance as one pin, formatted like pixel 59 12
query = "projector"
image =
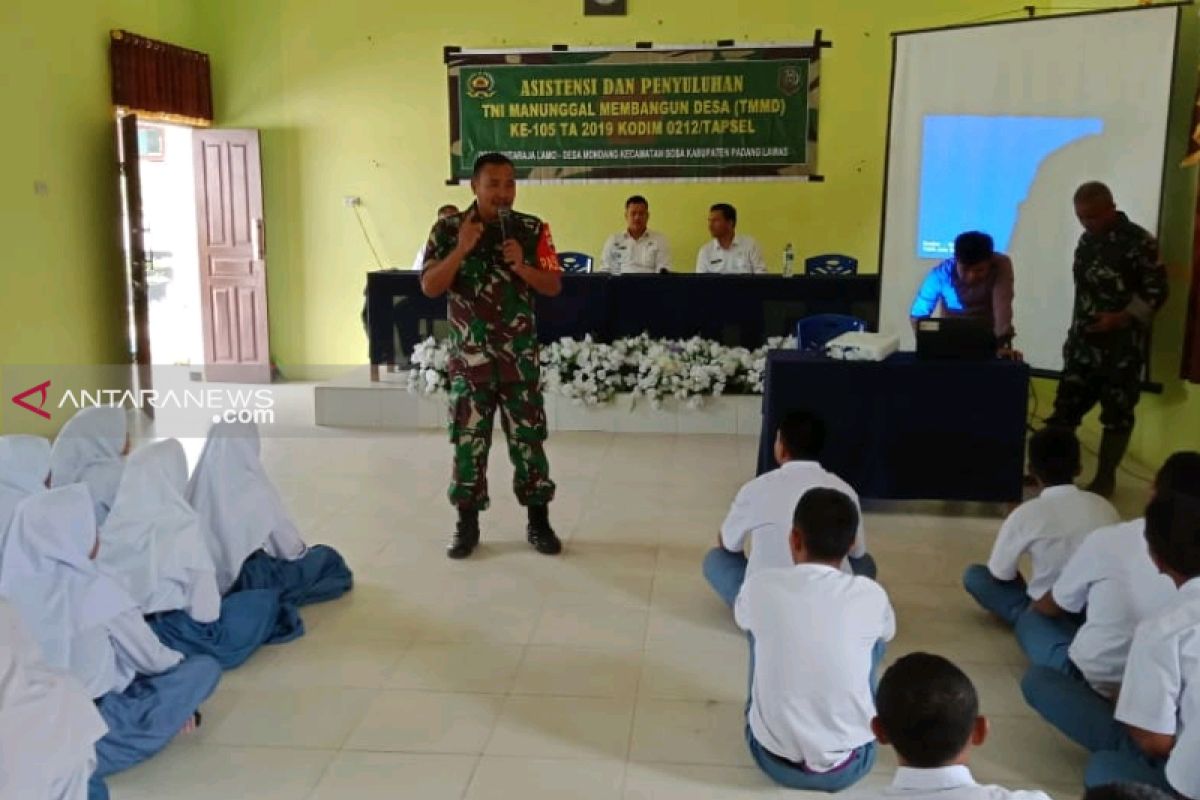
pixel 862 346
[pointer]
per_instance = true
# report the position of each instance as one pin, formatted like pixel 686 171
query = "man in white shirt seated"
pixel 448 210
pixel 636 250
pixel 761 514
pixel 1049 527
pixel 928 710
pixel 1153 736
pixel 1112 576
pixel 729 253
pixel 816 638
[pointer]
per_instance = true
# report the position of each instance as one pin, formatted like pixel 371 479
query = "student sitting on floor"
pixel 24 470
pixel 252 539
pixel 91 449
pixel 1112 576
pixel 48 725
pixel 153 543
pixel 816 637
pixel 1159 706
pixel 928 711
pixel 87 624
pixel 762 511
pixel 1049 527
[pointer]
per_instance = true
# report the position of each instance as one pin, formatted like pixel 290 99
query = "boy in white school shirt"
pixel 816 636
pixel 761 514
pixel 1112 576
pixel 1049 527
pixel 928 710
pixel 1159 706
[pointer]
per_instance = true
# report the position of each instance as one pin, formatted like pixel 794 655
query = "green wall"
pixel 350 99
pixel 62 282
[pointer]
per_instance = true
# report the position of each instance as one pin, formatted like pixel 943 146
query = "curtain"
pixel 157 80
pixel 1190 370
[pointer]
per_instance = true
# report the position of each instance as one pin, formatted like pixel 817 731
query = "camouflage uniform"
pixel 494 360
pixel 1115 271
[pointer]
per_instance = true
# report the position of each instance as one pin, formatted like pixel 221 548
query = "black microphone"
pixel 504 213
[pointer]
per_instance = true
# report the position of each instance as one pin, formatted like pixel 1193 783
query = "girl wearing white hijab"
pixel 252 539
pixel 153 543
pixel 48 725
pixel 24 470
pixel 90 449
pixel 86 623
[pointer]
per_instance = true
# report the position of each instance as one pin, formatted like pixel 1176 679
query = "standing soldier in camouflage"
pixel 1119 284
pixel 491 260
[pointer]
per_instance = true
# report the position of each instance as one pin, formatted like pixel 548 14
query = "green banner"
pixel 637 114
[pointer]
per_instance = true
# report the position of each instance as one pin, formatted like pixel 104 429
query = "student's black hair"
pixel 726 210
pixel 1180 473
pixel 1173 531
pixel 803 435
pixel 1054 455
pixel 927 707
pixel 973 247
pixel 637 199
pixel 442 209
pixel 1125 790
pixel 489 159
pixel 829 521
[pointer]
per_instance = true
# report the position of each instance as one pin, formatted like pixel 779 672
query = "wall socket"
pixel 352 200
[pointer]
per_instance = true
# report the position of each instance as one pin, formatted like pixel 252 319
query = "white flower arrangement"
pixel 590 373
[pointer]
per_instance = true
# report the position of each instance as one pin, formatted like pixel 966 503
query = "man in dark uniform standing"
pixel 491 260
pixel 1119 285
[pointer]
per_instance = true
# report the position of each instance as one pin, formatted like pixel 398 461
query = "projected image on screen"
pixel 977 170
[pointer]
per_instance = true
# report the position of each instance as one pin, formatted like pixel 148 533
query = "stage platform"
pixel 353 400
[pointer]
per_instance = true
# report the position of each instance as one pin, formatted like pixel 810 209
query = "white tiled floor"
pixel 610 672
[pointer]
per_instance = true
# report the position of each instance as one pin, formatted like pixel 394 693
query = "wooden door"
pixel 233 266
pixel 135 250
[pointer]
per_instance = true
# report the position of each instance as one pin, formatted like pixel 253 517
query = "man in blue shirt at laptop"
pixel 977 284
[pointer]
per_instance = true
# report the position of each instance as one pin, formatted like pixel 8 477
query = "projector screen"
pixel 992 129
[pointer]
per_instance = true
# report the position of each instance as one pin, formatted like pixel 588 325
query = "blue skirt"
pixel 248 620
pixel 145 717
pixel 320 575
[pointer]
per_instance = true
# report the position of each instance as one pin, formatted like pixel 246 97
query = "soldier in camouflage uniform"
pixel 1119 284
pixel 490 261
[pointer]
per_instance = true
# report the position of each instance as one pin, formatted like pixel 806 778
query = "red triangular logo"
pixel 40 389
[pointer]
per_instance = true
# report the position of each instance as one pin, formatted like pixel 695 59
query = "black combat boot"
pixel 466 534
pixel 540 534
pixel 1112 450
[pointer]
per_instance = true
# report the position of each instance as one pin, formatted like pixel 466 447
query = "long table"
pixel 904 428
pixel 732 309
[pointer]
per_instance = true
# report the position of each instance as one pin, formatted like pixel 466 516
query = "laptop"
pixel 955 339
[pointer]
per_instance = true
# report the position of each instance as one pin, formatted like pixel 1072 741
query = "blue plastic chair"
pixel 813 333
pixel 575 262
pixel 831 264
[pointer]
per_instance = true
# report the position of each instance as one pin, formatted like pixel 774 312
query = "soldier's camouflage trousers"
pixel 1093 372
pixel 523 418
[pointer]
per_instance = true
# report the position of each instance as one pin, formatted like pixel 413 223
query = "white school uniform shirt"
pixel 950 783
pixel 1161 691
pixel 48 725
pixel 1112 576
pixel 88 450
pixel 24 466
pixel 625 255
pixel 82 618
pixel 240 509
pixel 764 508
pixel 153 540
pixel 1049 527
pixel 742 258
pixel 814 631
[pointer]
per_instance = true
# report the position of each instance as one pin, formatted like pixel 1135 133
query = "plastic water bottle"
pixel 789 259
